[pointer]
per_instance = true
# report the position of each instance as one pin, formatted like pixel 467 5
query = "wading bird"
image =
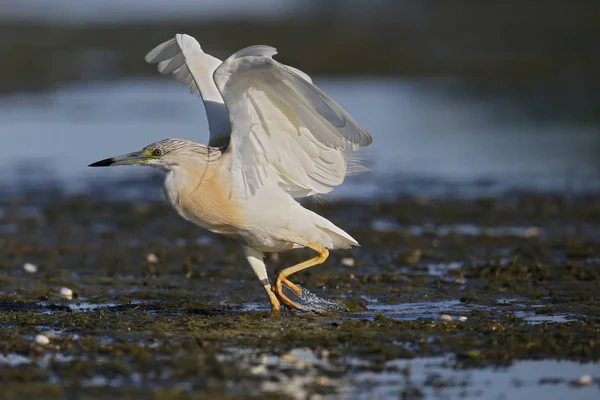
pixel 274 137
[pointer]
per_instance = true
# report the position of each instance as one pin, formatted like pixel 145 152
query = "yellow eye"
pixel 157 152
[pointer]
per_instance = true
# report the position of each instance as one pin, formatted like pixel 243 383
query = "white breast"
pixel 175 183
pixel 205 199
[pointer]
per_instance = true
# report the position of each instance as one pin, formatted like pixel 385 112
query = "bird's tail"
pixel 339 238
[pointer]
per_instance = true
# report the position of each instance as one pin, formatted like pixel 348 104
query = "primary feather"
pixel 279 126
pixel 183 58
pixel 283 126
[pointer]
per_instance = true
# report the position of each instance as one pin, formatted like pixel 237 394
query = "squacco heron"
pixel 274 137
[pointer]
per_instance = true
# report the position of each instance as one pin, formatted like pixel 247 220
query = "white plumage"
pixel 274 136
pixel 282 128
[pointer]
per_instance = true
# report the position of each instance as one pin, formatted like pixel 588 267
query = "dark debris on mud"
pixel 193 322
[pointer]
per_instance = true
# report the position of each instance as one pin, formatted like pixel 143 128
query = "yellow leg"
pixel 322 254
pixel 255 259
pixel 274 302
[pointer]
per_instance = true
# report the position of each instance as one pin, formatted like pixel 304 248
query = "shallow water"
pixel 523 268
pixel 522 380
pixel 426 135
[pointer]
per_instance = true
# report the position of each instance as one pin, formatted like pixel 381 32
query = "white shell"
pixel 31 268
pixel 584 380
pixel 42 339
pixel 66 293
pixel 348 262
pixel 152 258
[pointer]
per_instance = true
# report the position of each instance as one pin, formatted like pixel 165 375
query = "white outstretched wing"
pixel 284 128
pixel 183 57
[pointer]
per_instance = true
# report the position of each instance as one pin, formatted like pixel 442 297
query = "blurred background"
pixel 460 96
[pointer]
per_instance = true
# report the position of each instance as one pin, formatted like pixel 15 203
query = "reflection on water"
pixel 420 133
pixel 420 377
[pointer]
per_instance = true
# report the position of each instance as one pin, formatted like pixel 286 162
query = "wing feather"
pixel 281 127
pixel 183 58
pixel 163 52
pixel 284 128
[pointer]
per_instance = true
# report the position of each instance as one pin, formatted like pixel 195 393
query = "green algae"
pixel 139 329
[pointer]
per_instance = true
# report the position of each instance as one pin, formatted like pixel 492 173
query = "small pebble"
pixel 462 319
pixel 531 232
pixel 348 262
pixel 413 257
pixel 152 258
pixel 445 318
pixel 583 380
pixel 288 357
pixel 258 370
pixel 66 293
pixel 42 339
pixel 322 381
pixel 31 268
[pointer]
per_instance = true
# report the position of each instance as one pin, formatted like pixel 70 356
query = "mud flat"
pixel 160 309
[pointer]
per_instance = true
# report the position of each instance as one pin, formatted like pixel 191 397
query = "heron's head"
pixel 164 154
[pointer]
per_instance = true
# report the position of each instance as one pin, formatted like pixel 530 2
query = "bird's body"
pixel 275 137
pixel 212 198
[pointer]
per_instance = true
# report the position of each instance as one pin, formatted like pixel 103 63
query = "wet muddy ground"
pixel 192 321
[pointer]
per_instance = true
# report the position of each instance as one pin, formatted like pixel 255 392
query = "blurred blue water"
pixel 425 136
pixel 77 11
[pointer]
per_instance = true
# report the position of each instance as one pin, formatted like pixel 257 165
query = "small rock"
pixel 473 354
pixel 258 370
pixel 413 257
pixel 322 381
pixel 298 363
pixel 288 357
pixel 31 268
pixel 42 339
pixel 152 258
pixel 66 293
pixel 583 380
pixel 462 319
pixel 348 262
pixel 445 318
pixel 531 232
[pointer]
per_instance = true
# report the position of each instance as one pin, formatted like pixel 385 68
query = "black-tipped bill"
pixel 103 163
pixel 135 158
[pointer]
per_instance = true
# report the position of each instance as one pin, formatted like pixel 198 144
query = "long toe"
pixel 292 286
pixel 292 305
pixel 286 301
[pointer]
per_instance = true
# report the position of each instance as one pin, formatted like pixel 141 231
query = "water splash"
pixel 313 303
